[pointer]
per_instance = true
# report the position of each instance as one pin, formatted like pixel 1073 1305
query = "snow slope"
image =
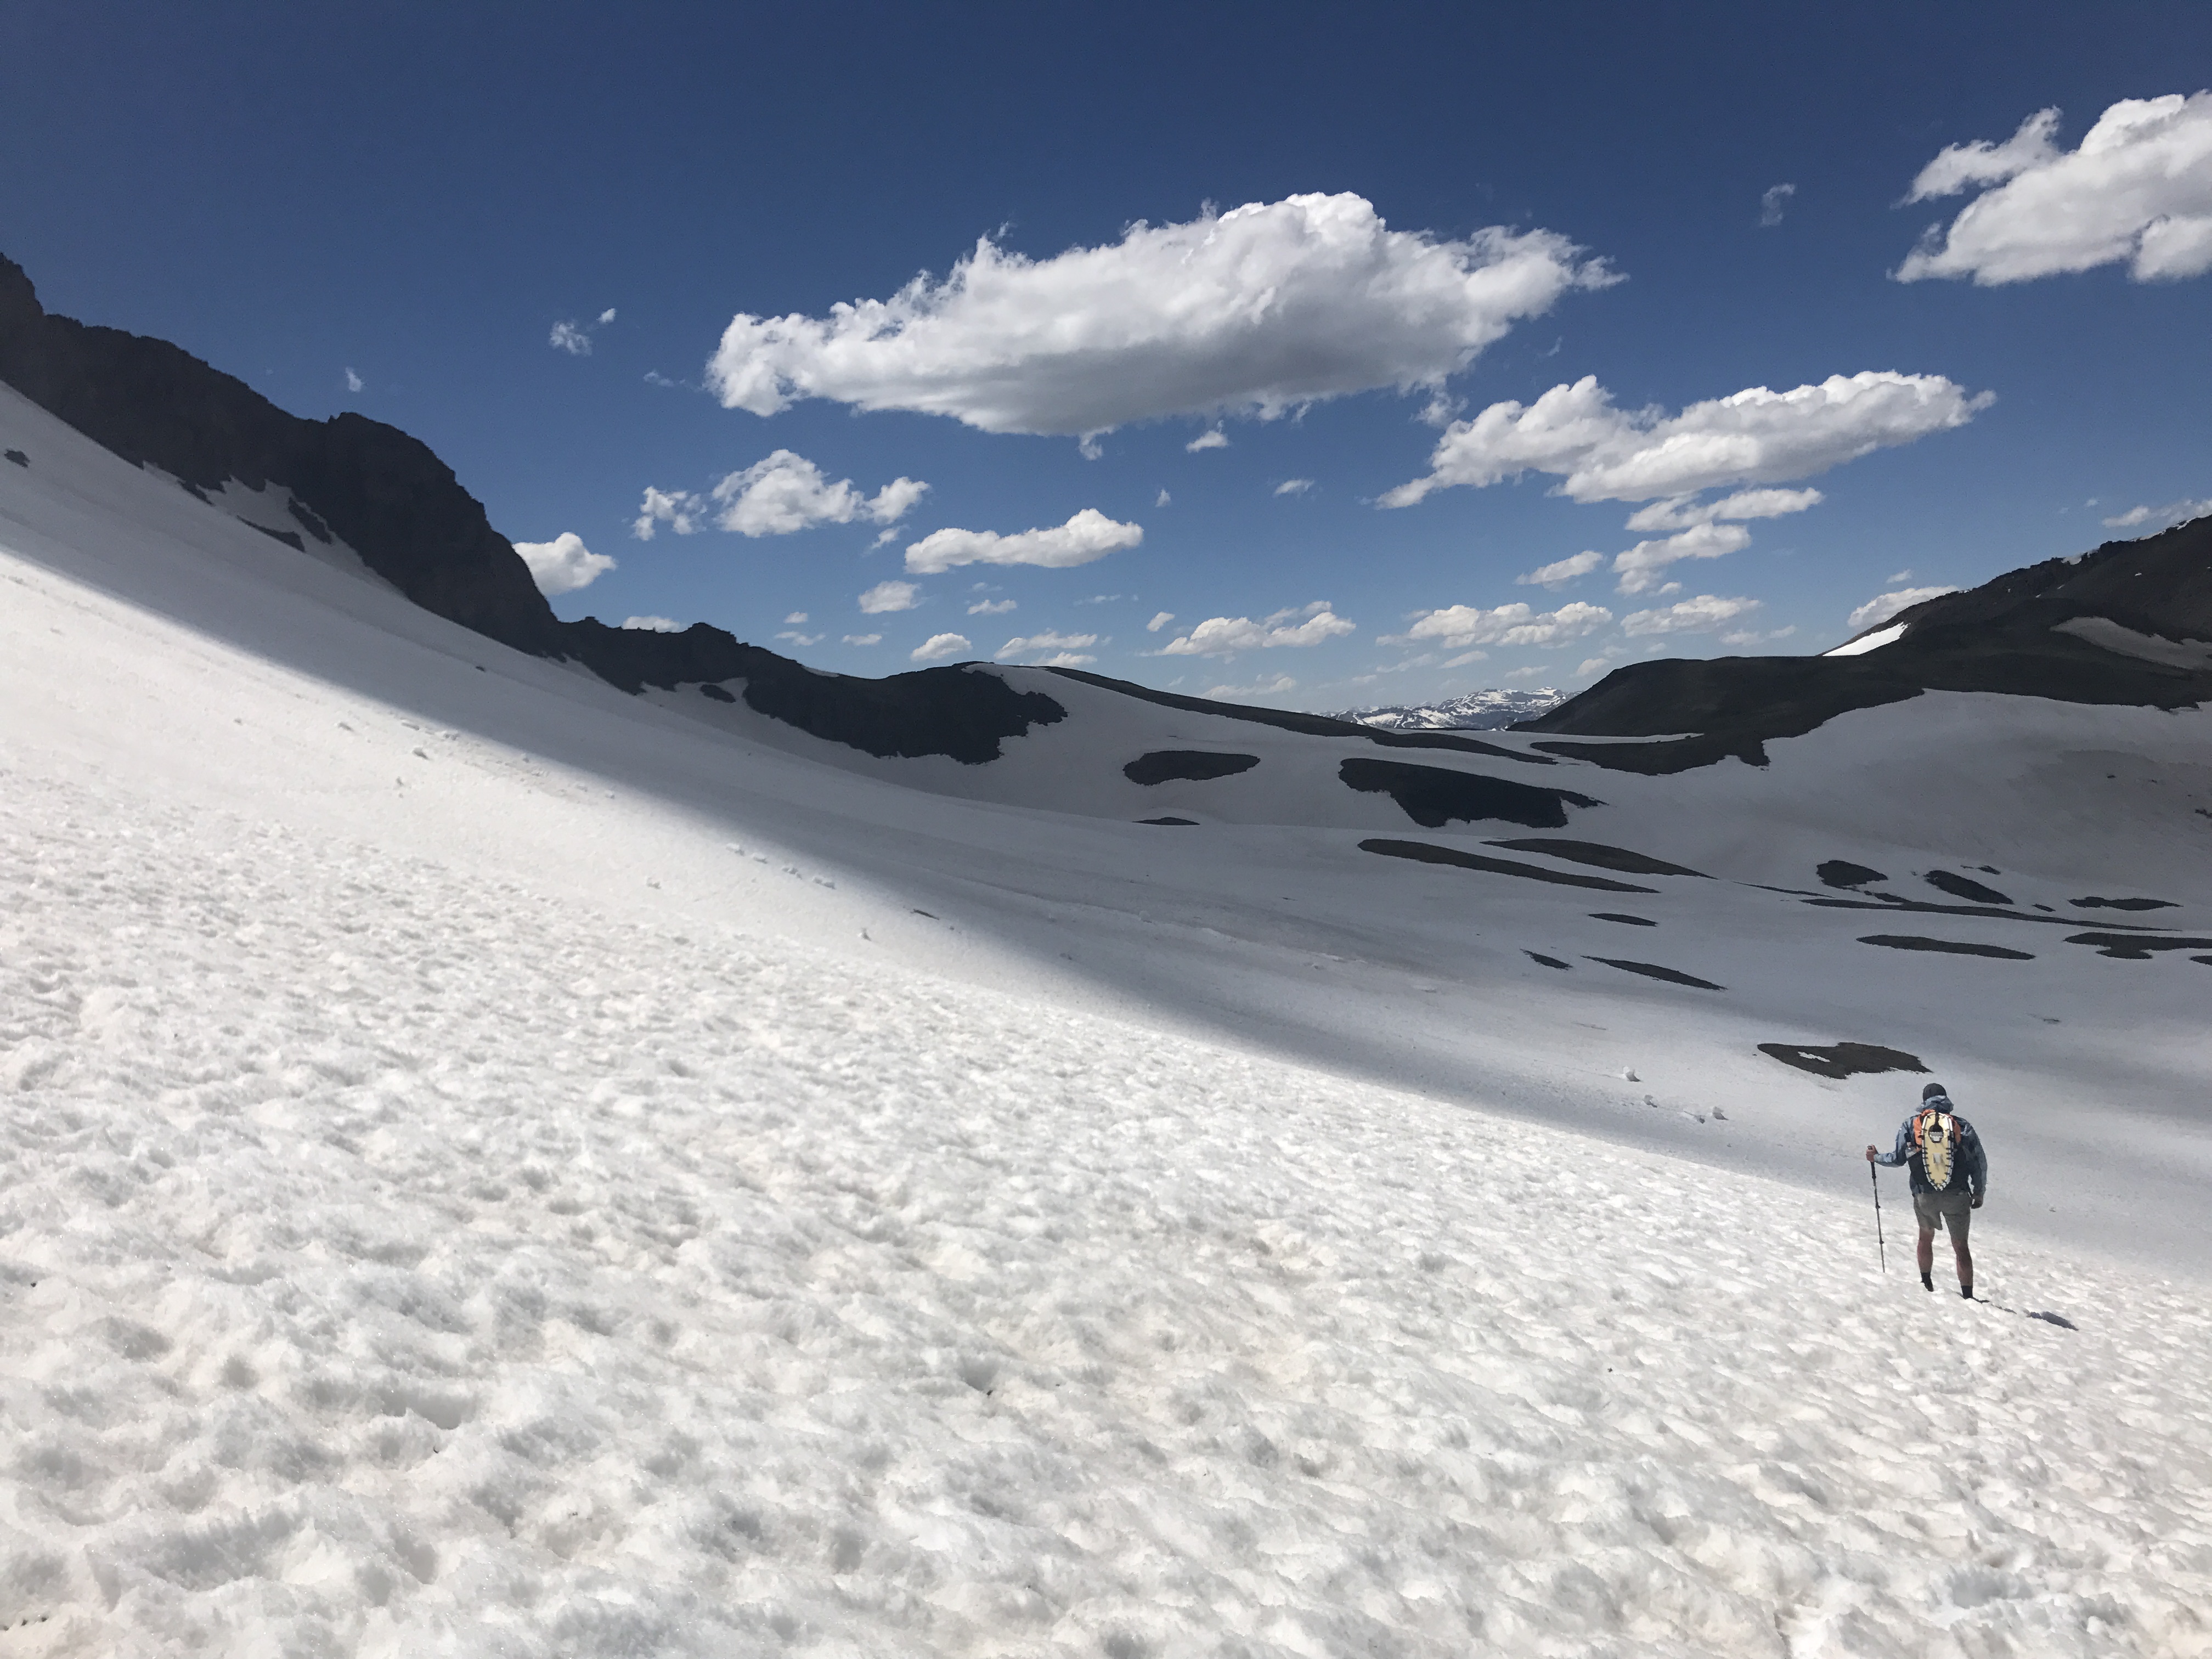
pixel 495 1166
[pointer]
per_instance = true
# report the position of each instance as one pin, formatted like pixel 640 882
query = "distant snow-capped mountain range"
pixel 1478 711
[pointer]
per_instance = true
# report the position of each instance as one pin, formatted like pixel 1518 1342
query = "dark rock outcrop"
pixel 396 504
pixel 2060 629
pixel 1185 766
pixel 1433 796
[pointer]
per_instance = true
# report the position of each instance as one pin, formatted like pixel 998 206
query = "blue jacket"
pixel 1969 1161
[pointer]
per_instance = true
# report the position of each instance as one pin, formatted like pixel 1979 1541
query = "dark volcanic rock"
pixel 1947 946
pixel 19 457
pixel 1424 852
pixel 2122 904
pixel 1842 873
pixel 1842 1060
pixel 2003 636
pixel 1964 887
pixel 1548 962
pixel 1186 765
pixel 1621 916
pixel 1190 824
pixel 1597 853
pixel 1653 970
pixel 1431 796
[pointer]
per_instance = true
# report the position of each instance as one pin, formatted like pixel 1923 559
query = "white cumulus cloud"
pixel 1883 606
pixel 353 382
pixel 775 497
pixel 889 596
pixel 1273 688
pixel 864 639
pixel 1754 436
pixel 2137 191
pixel 1773 201
pixel 1047 641
pixel 654 624
pixel 1459 625
pixel 1294 486
pixel 937 646
pixel 1560 573
pixel 1224 636
pixel 2160 518
pixel 1681 512
pixel 992 607
pixel 1088 535
pixel 1212 438
pixel 1696 616
pixel 1159 620
pixel 1255 312
pixel 1640 567
pixel 564 565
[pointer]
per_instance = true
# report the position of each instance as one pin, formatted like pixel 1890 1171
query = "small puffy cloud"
pixel 937 646
pixel 606 316
pixel 1562 571
pixel 1164 498
pixel 795 618
pixel 1883 606
pixel 1697 616
pixel 1640 567
pixel 2160 518
pixel 564 565
pixel 681 511
pixel 864 639
pixel 1459 625
pixel 1049 641
pixel 1904 575
pixel 1592 665
pixel 1224 636
pixel 1754 436
pixel 775 497
pixel 1089 535
pixel 353 382
pixel 1294 486
pixel 1212 438
pixel 992 607
pixel 800 639
pixel 889 596
pixel 1159 621
pixel 1772 202
pixel 654 624
pixel 1273 688
pixel 2137 191
pixel 566 337
pixel 1261 312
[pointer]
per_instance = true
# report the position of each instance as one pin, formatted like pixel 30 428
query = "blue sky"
pixel 1636 210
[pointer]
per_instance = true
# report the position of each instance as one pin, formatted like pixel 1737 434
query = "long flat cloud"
pixel 1755 436
pixel 1225 636
pixel 1088 535
pixel 1458 625
pixel 1255 312
pixel 2138 192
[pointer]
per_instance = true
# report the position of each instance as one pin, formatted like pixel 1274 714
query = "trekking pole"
pixel 1873 1176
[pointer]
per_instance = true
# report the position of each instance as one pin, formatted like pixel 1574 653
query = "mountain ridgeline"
pixel 390 499
pixel 2130 622
pixel 2126 623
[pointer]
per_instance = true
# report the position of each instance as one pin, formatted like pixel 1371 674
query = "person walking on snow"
pixel 1950 1178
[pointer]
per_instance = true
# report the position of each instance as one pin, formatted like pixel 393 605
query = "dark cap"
pixel 1932 1090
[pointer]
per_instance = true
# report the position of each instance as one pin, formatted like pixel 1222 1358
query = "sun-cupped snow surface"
pixel 395 1263
pixel 491 1166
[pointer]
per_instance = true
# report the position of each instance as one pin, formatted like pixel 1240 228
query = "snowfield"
pixel 489 1166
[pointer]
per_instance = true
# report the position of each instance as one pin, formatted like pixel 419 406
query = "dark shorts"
pixel 1954 1209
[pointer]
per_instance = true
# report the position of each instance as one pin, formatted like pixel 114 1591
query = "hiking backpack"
pixel 1936 1143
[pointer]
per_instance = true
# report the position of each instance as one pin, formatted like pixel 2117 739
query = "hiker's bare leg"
pixel 1927 1251
pixel 1965 1258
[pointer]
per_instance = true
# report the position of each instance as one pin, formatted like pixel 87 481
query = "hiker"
pixel 1950 1179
